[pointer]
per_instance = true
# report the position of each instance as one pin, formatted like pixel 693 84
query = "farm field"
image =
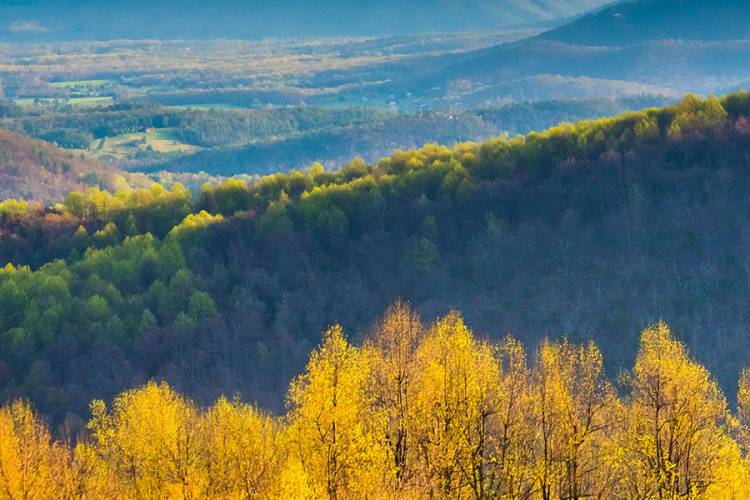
pixel 162 141
pixel 70 101
pixel 205 106
pixel 79 84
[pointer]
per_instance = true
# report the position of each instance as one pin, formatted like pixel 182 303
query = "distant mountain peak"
pixel 642 21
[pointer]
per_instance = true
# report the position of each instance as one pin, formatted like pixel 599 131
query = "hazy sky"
pixel 22 20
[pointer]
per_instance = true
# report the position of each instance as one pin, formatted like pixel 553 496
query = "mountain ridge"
pixel 640 21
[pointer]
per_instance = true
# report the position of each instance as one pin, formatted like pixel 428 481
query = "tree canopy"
pixel 417 411
pixel 592 230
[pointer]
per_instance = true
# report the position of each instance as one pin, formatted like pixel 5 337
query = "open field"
pixel 79 83
pixel 72 101
pixel 161 141
pixel 166 141
pixel 206 106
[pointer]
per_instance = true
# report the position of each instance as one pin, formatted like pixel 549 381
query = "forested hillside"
pixel 592 231
pixel 36 170
pixel 417 411
pixel 381 135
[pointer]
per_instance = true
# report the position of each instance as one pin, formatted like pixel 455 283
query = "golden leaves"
pixel 416 412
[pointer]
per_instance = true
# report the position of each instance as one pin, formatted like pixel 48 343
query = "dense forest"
pixel 76 128
pixel 414 412
pixel 592 231
pixel 36 170
pixel 360 249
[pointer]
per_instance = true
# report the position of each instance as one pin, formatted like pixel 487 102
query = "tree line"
pixel 416 411
pixel 76 127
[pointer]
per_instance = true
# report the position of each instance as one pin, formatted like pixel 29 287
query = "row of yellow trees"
pixel 415 412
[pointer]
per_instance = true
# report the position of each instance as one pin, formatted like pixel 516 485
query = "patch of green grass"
pixel 80 101
pixel 165 140
pixel 207 105
pixel 80 83
pixel 73 101
pixel 163 134
pixel 24 101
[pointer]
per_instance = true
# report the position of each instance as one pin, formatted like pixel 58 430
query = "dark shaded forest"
pixel 592 231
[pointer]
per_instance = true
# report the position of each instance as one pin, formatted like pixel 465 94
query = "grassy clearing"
pixel 82 101
pixel 207 105
pixel 73 101
pixel 165 141
pixel 80 83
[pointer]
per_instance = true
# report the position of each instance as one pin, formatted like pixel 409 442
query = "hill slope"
pixel 590 231
pixel 45 20
pixel 665 66
pixel 647 20
pixel 32 169
pixel 375 138
pixel 676 46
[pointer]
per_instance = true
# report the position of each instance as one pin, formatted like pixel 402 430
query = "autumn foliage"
pixel 414 412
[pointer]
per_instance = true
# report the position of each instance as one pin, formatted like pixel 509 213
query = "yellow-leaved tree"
pixel 743 416
pixel 456 397
pixel 512 460
pixel 31 465
pixel 244 451
pixel 675 441
pixel 150 444
pixel 574 412
pixel 333 436
pixel 414 413
pixel 393 344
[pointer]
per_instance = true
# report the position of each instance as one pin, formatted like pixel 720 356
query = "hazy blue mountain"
pixel 671 46
pixel 539 69
pixel 647 20
pixel 47 20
